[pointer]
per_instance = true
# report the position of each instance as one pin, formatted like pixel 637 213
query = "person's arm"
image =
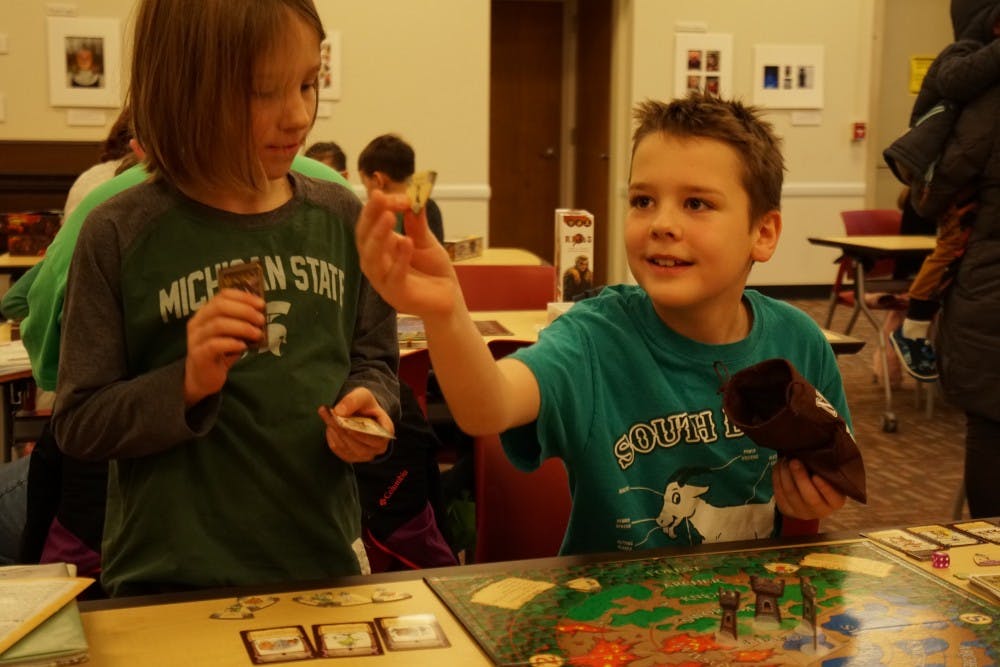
pixel 40 329
pixel 103 411
pixel 967 69
pixel 375 351
pixel 965 157
pixel 15 302
pixel 414 274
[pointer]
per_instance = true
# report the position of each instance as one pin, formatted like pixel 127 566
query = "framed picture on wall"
pixel 788 76
pixel 329 66
pixel 84 62
pixel 703 61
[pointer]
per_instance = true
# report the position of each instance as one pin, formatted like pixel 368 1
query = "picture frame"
pixel 84 62
pixel 329 67
pixel 788 76
pixel 703 62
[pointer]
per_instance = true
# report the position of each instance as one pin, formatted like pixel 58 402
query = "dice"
pixel 940 559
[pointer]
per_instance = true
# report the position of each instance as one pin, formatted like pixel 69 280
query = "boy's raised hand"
pixel 413 273
pixel 801 495
pixel 217 336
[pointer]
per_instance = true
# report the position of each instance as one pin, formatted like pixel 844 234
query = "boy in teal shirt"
pixel 624 388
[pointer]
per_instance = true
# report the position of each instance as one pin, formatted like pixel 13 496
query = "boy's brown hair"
pixel 731 122
pixel 389 154
pixel 192 79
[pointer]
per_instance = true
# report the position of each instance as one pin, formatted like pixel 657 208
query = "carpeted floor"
pixel 913 474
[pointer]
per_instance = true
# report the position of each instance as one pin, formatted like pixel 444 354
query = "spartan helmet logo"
pixel 277 334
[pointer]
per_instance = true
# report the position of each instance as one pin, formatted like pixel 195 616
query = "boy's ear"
pixel 766 235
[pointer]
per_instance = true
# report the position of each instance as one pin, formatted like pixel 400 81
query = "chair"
pixel 518 515
pixel 414 369
pixel 866 222
pixel 507 287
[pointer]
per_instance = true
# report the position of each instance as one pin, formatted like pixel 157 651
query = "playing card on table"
pixel 419 189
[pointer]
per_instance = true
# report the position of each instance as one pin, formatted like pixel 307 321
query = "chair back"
pixel 874 222
pixel 507 287
pixel 414 370
pixel 518 514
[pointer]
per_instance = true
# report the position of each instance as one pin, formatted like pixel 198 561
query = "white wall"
pixel 825 170
pixel 417 68
pixel 421 68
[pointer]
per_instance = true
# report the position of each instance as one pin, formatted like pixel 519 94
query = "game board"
pixel 872 608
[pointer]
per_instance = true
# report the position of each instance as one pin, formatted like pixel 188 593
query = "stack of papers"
pixel 39 620
pixel 13 357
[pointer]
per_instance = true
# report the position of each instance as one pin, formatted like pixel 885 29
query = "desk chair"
pixel 414 369
pixel 507 287
pixel 518 515
pixel 866 222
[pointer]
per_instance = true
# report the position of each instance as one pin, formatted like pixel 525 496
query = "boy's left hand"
pixel 801 495
pixel 350 445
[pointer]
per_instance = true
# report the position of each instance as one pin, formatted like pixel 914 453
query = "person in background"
pixel 63 515
pixel 957 77
pixel 968 352
pixel 402 503
pixel 386 164
pixel 624 387
pixel 237 447
pixel 330 154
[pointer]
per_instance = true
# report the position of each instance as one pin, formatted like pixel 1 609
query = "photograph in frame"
pixel 84 62
pixel 329 66
pixel 703 62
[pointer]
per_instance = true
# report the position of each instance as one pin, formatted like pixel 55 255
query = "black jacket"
pixel 959 74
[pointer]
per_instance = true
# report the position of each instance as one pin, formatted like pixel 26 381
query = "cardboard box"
pixel 466 248
pixel 574 248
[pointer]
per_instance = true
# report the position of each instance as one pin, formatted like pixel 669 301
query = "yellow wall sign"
pixel 918 69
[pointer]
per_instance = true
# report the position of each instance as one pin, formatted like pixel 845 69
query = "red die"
pixel 940 559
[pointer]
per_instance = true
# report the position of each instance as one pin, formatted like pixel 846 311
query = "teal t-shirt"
pixel 45 285
pixel 634 411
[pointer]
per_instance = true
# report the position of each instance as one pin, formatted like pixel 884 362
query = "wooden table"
pixel 525 326
pixel 177 629
pixel 505 256
pixel 15 265
pixel 867 249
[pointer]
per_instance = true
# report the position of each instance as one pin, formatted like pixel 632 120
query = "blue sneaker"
pixel 916 355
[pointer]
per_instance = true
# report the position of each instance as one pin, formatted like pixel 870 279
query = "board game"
pixel 840 604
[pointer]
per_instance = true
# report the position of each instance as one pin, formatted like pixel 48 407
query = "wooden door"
pixel 593 122
pixel 525 117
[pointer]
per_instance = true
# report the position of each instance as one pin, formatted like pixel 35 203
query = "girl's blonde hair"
pixel 192 81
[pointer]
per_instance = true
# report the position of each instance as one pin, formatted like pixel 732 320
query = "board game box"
pixel 574 247
pixel 838 604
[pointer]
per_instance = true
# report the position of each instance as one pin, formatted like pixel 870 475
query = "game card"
pixel 416 631
pixel 332 599
pixel 342 640
pixel 982 529
pixel 246 277
pixel 987 582
pixel 944 535
pixel 363 425
pixel 278 644
pixel 419 189
pixel 908 543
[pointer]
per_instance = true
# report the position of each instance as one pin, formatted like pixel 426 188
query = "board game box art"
pixel 835 605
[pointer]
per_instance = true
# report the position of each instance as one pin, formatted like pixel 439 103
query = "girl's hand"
pixel 413 273
pixel 354 446
pixel 217 336
pixel 801 495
